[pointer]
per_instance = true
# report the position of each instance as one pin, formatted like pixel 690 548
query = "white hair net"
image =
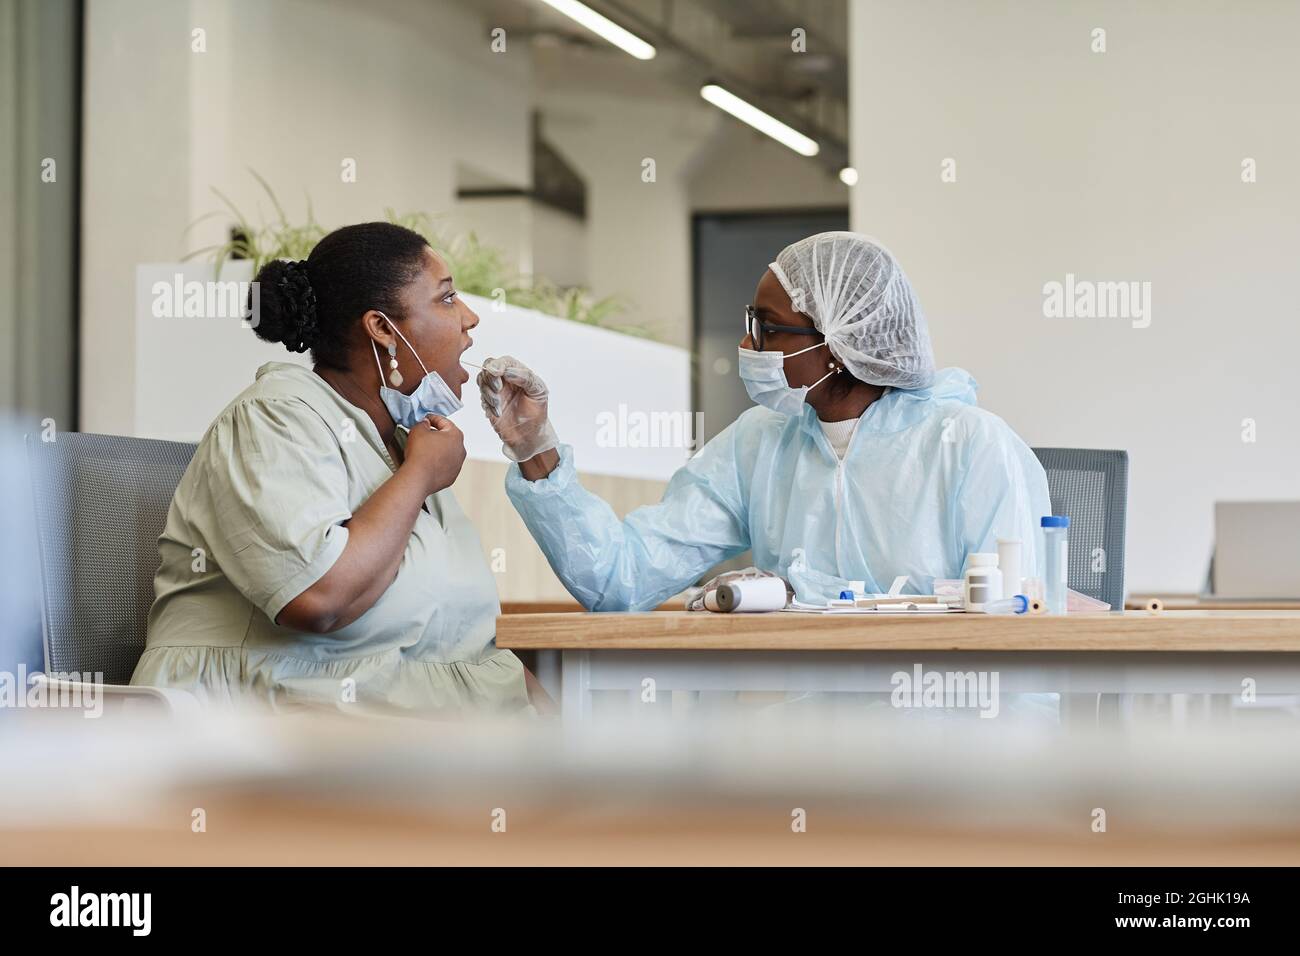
pixel 855 292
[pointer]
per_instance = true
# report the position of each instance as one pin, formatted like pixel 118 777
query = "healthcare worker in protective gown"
pixel 858 464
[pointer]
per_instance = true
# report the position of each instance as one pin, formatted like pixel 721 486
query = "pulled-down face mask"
pixel 432 396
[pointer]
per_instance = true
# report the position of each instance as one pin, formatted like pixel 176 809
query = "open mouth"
pixel 469 343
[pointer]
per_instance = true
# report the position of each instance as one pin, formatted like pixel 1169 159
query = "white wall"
pixel 501 222
pixel 407 88
pixel 1123 165
pixel 638 232
pixel 559 245
pixel 534 238
pixel 739 169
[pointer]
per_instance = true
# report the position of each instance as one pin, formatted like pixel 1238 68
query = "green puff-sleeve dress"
pixel 259 517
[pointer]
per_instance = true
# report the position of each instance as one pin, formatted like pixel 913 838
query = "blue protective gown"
pixel 928 479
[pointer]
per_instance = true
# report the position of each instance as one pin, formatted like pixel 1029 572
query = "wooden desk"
pixel 1197 602
pixel 1211 652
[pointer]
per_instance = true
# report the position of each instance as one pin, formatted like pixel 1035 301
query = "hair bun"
pixel 295 288
pixel 288 305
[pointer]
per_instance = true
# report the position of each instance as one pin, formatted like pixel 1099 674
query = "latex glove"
pixel 695 595
pixel 514 398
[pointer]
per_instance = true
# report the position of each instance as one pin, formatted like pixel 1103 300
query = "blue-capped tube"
pixel 1016 604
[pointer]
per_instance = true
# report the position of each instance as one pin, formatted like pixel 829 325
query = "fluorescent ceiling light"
pixel 604 27
pixel 749 113
pixel 849 176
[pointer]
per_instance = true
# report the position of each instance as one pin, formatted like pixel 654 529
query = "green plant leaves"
pixel 478 269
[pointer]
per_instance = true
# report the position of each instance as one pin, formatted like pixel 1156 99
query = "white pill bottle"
pixel 1009 565
pixel 982 582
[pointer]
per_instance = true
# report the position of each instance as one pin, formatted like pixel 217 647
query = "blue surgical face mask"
pixel 431 397
pixel 764 376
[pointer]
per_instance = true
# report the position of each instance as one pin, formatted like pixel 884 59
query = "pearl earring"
pixel 394 376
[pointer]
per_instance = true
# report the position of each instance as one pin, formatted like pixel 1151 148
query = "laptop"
pixel 1256 550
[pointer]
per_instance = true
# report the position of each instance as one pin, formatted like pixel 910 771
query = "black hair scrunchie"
pixel 301 326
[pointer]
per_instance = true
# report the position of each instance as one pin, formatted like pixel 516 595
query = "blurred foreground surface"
pixel 773 787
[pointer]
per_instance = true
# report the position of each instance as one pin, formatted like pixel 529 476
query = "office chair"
pixel 1090 487
pixel 101 503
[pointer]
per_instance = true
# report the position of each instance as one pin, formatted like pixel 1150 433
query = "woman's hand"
pixel 515 401
pixel 379 531
pixel 435 450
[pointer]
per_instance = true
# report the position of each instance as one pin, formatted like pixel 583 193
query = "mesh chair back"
pixel 1090 487
pixel 101 503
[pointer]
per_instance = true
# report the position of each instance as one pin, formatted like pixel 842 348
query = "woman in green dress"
pixel 314 553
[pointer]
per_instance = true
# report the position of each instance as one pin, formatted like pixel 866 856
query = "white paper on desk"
pixel 797 605
pixel 797 608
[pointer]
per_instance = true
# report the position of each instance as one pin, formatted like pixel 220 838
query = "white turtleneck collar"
pixel 839 434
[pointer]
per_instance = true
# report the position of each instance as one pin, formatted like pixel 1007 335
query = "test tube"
pixel 1056 543
pixel 1016 604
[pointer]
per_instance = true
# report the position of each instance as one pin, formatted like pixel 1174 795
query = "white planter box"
pixel 622 402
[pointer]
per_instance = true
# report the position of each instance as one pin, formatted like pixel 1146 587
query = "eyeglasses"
pixel 755 327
